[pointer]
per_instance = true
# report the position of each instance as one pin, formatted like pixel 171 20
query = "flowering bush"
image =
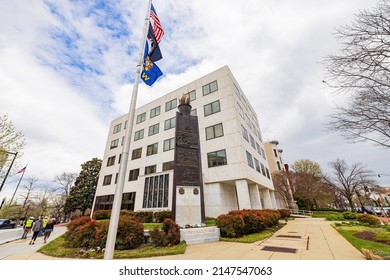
pixel 239 222
pixel 87 233
pixel 368 219
pixel 168 235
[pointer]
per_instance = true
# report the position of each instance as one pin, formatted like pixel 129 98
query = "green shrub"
pixel 160 216
pixel 144 216
pixel 169 235
pixel 87 233
pixel 81 233
pixel 126 212
pixel 368 219
pixel 350 215
pixel 230 225
pixel 284 213
pixel 335 217
pixel 130 233
pixel 172 230
pixel 158 238
pixel 101 214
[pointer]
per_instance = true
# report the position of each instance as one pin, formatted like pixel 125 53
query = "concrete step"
pixel 200 235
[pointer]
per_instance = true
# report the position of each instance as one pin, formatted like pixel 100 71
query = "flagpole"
pixel 18 183
pixel 116 206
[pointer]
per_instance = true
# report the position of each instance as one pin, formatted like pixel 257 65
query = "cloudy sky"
pixel 67 69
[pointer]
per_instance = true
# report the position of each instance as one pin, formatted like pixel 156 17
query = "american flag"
pixel 157 28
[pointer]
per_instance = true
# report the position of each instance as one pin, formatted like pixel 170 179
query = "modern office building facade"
pixel 235 170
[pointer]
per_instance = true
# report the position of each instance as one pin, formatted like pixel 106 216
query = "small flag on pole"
pixel 150 72
pixel 22 170
pixel 157 28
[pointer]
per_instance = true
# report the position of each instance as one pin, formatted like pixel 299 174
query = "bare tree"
pixel 348 180
pixel 362 69
pixel 66 181
pixel 10 141
pixel 282 188
pixel 27 196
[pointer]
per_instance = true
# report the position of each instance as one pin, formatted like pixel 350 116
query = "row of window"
pixel 252 141
pixel 209 109
pixel 254 163
pixel 216 158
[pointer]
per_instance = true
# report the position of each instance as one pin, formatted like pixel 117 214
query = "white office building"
pixel 235 170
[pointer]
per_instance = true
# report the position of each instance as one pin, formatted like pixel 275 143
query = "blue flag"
pixel 150 72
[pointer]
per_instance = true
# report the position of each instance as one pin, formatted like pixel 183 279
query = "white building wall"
pixel 219 182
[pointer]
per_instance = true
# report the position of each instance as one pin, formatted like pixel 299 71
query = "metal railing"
pixel 301 212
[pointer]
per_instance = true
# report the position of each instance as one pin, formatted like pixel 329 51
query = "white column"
pixel 254 196
pixel 273 199
pixel 267 199
pixel 243 197
pixel 212 199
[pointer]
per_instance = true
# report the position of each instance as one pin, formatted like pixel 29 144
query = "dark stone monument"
pixel 188 196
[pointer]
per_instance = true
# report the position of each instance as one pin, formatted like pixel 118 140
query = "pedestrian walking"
pixel 36 228
pixel 48 230
pixel 27 227
pixel 45 220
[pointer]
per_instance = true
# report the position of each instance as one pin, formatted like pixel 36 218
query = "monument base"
pixel 199 235
pixel 188 206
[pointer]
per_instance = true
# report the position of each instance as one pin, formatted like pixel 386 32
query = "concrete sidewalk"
pixel 299 239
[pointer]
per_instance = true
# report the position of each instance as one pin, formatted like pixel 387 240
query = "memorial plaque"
pixel 188 200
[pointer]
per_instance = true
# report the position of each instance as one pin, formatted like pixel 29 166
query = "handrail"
pixel 300 212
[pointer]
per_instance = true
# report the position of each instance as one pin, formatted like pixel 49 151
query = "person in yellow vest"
pixel 27 227
pixel 45 220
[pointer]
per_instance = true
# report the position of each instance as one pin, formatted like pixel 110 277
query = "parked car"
pixel 5 223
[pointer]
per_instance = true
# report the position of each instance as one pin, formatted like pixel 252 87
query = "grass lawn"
pixel 371 236
pixel 56 248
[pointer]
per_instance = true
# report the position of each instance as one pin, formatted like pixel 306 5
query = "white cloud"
pixel 273 48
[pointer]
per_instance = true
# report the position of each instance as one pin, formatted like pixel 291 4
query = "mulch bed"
pixel 370 236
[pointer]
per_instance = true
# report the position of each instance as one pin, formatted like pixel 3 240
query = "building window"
pixel 191 95
pixel 114 143
pixel 253 143
pixel 275 153
pixel 214 131
pixel 168 165
pixel 278 164
pixel 137 153
pixel 194 112
pixel 240 111
pixel 155 112
pixel 267 171
pixel 139 135
pixel 245 133
pixel 125 125
pixel 111 161
pixel 217 158
pixel 150 169
pixel 169 144
pixel 263 169
pixel 209 88
pixel 154 129
pixel 133 175
pixel 170 123
pixel 257 165
pixel 141 117
pixel 212 108
pixel 117 128
pixel 152 149
pixel 236 90
pixel 258 148
pixel 263 153
pixel 170 105
pixel 249 159
pixel 107 180
pixel 156 191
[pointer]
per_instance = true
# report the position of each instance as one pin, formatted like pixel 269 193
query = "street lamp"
pixel 379 175
pixel 9 168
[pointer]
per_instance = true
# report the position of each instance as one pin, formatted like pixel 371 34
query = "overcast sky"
pixel 67 69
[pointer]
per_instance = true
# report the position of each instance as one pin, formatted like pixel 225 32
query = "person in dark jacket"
pixel 37 227
pixel 48 230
